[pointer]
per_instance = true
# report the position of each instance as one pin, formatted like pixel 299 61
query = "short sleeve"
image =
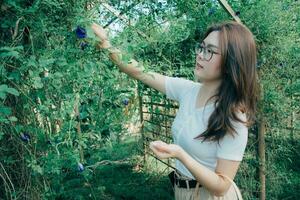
pixel 176 88
pixel 233 147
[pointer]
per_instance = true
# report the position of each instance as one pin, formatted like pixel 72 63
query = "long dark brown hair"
pixel 239 89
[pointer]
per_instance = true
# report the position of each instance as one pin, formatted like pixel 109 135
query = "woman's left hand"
pixel 163 150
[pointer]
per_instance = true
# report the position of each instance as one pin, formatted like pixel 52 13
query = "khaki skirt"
pixel 201 193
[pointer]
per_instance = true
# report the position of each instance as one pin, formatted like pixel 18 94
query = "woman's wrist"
pixel 179 153
pixel 105 44
pixel 114 53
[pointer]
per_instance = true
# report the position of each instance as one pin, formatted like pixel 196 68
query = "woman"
pixel 210 129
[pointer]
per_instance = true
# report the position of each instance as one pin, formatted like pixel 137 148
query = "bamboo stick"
pixel 77 115
pixel 229 10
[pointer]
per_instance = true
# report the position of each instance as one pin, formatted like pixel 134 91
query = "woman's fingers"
pixel 165 150
pixel 158 153
pixel 99 31
pixel 159 146
pixel 154 144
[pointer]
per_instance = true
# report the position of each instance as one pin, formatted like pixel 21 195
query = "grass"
pixel 130 179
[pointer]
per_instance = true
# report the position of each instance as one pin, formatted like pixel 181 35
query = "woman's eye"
pixel 210 51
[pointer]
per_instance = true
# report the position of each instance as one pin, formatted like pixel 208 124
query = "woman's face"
pixel 209 70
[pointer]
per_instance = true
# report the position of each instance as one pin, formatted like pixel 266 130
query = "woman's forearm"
pixel 134 69
pixel 203 175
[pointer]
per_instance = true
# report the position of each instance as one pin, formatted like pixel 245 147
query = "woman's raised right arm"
pixel 132 68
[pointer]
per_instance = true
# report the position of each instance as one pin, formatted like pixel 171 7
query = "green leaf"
pixel 14 76
pixel 10 51
pixel 13 119
pixel 2 95
pixel 14 54
pixel 83 115
pixel 31 62
pixel 5 110
pixel 3 120
pixel 12 91
pixel 90 33
pixel 1 135
pixel 46 62
pixel 18 48
pixel 3 88
pixel 37 83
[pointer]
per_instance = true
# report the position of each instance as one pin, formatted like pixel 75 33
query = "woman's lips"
pixel 198 66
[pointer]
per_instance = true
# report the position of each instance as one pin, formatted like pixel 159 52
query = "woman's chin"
pixel 197 77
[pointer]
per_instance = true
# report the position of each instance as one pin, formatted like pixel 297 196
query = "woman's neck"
pixel 210 88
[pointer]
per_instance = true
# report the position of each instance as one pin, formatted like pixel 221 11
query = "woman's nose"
pixel 199 56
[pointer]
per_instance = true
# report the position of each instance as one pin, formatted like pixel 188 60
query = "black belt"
pixel 180 182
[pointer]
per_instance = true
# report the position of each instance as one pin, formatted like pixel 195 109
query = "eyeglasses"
pixel 207 53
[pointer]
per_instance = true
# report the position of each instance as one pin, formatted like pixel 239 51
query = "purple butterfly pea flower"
pixel 211 11
pixel 80 32
pixel 25 137
pixel 125 102
pixel 49 142
pixel 83 45
pixel 80 167
pixel 238 13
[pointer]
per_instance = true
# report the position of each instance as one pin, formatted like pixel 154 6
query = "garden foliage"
pixel 62 99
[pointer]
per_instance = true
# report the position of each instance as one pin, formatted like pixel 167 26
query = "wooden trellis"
pixel 156 116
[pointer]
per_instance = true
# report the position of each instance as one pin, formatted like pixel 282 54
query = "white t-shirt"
pixel 191 121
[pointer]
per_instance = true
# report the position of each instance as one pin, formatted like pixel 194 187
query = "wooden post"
pixel 292 118
pixel 139 90
pixel 262 159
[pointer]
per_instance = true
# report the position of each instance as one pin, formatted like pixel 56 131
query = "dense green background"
pixel 45 74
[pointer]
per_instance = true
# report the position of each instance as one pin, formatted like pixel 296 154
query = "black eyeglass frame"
pixel 199 49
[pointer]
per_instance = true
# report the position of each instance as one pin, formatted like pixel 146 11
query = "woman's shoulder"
pixel 181 81
pixel 178 88
pixel 240 124
pixel 189 85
